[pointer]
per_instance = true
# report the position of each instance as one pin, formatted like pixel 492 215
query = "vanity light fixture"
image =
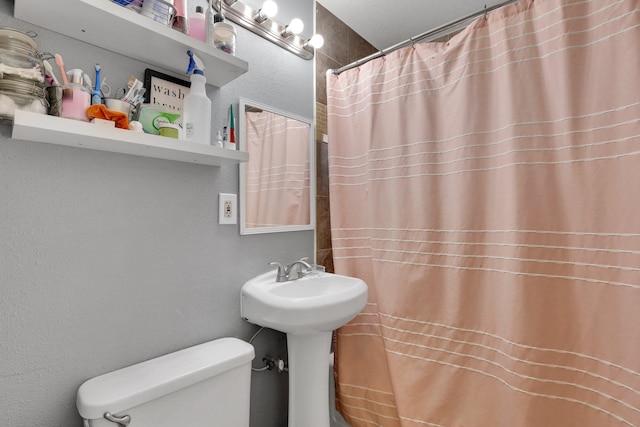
pixel 261 22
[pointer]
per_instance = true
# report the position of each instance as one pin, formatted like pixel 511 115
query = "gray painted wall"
pixel 108 259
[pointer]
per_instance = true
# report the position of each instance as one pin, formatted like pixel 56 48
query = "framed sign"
pixel 165 91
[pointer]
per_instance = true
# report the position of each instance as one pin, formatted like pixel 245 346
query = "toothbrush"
pixel 61 67
pixel 232 135
pixel 132 81
pixel 96 97
pixel 134 87
pixel 49 69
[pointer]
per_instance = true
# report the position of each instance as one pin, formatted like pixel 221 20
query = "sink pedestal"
pixel 308 310
pixel 308 379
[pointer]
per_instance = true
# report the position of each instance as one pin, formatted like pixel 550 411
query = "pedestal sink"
pixel 307 310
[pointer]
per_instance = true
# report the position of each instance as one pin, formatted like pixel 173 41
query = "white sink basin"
pixel 307 310
pixel 320 302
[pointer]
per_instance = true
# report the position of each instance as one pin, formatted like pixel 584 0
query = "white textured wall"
pixel 107 259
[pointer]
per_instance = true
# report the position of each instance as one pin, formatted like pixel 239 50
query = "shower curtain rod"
pixel 421 37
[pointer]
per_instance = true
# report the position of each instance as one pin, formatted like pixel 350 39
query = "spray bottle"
pixel 196 111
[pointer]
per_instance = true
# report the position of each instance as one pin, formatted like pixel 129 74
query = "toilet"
pixel 201 386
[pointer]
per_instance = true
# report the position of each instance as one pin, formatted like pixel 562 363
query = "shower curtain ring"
pixel 486 15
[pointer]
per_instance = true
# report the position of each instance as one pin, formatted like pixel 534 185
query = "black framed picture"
pixel 165 91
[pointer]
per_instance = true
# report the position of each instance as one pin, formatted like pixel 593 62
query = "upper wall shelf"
pixel 29 126
pixel 113 27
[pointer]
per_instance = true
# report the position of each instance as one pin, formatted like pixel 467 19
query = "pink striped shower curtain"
pixel 278 175
pixel 488 191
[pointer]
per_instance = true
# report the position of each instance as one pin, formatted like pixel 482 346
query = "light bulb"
pixel 269 8
pixel 295 26
pixel 316 42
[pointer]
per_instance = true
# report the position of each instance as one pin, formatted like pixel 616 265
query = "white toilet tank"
pixel 207 385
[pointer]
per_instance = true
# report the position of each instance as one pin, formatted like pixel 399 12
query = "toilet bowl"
pixel 205 385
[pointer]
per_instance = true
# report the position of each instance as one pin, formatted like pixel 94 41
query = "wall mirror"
pixel 277 184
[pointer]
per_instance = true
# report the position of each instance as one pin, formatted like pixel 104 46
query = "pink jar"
pixel 76 98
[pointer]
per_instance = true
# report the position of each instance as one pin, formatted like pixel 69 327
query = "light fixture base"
pixel 244 15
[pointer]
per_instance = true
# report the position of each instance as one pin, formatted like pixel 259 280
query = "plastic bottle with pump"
pixel 196 111
pixel 76 95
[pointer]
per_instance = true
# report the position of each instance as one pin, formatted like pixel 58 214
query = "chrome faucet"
pixel 284 272
pixel 301 263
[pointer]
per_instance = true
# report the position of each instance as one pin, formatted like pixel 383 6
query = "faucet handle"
pixel 282 274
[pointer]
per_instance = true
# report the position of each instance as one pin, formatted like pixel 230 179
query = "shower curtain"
pixel 488 191
pixel 278 175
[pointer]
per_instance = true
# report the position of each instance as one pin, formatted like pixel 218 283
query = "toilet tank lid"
pixel 137 384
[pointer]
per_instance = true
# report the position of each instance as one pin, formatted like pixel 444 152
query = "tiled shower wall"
pixel 342 46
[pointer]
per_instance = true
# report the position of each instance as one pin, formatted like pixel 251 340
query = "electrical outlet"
pixel 228 208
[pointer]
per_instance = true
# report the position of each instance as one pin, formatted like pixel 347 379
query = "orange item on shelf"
pixel 100 111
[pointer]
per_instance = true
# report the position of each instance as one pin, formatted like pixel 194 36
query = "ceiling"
pixel 383 24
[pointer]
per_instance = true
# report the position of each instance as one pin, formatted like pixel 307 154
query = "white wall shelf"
pixel 113 27
pixel 73 133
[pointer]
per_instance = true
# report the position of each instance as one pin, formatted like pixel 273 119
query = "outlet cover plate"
pixel 227 208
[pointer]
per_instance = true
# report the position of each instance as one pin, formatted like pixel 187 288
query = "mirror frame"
pixel 244 102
